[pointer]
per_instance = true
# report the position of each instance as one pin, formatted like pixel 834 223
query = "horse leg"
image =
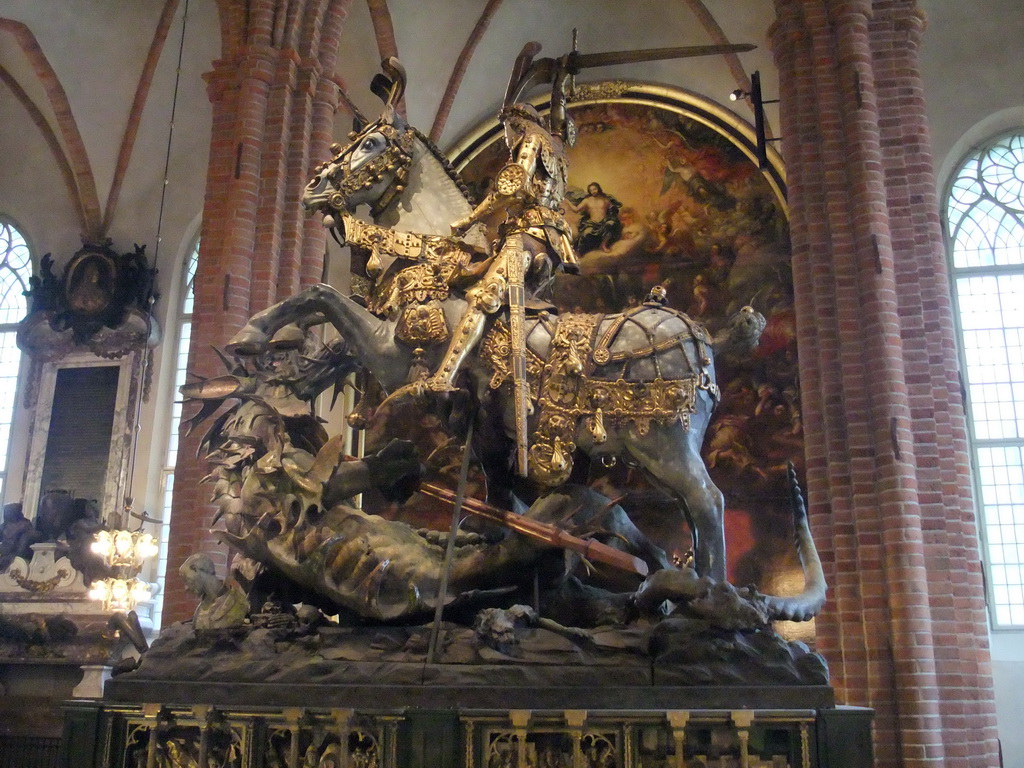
pixel 670 458
pixel 316 303
pixel 370 340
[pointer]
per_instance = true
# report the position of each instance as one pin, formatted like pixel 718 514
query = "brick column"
pixel 814 297
pixel 270 99
pixel 875 356
pixel 953 562
pixel 221 306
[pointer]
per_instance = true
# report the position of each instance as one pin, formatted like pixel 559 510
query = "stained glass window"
pixel 15 270
pixel 985 228
pixel 171 458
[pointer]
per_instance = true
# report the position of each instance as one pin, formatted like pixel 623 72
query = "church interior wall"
pixel 970 57
pixel 964 58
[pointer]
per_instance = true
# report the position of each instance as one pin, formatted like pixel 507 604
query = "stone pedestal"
pixel 93 678
pixel 366 696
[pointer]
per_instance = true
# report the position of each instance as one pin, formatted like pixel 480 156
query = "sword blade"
pixel 580 61
pixel 520 385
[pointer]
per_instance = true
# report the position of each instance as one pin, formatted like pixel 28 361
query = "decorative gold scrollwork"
pixel 422 324
pixel 437 261
pixel 566 398
pixel 38 587
pixel 510 180
pixel 496 351
pixel 560 399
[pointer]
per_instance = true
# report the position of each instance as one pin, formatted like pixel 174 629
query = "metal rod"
pixel 442 590
pixel 578 61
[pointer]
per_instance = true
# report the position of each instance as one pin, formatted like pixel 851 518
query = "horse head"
pixel 386 164
pixel 373 168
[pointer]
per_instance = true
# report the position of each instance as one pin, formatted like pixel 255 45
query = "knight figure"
pixel 534 241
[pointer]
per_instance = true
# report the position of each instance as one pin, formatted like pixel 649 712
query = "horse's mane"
pixel 435 195
pixel 446 164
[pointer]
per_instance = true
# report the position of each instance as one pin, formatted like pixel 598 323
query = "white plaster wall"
pixel 99 56
pixel 971 60
pixel 969 54
pixel 430 35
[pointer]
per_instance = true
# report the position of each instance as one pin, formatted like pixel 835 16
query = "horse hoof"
pixel 247 342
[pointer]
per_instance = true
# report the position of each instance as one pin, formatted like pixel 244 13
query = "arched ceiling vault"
pixel 86 99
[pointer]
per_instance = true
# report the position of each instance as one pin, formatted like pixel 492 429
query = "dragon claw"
pixel 247 342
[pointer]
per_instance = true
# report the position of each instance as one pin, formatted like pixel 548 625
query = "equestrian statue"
pixel 443 313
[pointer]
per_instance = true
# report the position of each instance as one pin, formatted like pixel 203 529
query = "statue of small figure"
pixel 44 288
pixel 16 534
pixel 220 605
pixel 177 756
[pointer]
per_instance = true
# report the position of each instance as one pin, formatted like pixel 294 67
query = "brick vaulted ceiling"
pixel 87 91
pixel 86 88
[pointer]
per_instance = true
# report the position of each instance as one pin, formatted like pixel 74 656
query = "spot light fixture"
pixel 757 102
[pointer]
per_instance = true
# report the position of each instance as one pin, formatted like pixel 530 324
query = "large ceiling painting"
pixel 665 190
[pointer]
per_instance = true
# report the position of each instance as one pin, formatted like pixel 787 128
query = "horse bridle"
pixel 396 158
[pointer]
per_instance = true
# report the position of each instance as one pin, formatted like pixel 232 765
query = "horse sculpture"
pixel 638 385
pixel 280 484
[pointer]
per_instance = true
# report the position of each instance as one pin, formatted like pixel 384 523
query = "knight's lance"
pixel 517 321
pixel 549 534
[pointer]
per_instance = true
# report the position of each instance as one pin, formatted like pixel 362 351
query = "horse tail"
pixel 808 603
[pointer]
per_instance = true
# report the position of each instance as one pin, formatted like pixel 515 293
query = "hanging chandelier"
pixel 120 594
pixel 124 552
pixel 124 549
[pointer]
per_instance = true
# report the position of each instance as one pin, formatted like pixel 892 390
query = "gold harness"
pixel 567 397
pixel 416 290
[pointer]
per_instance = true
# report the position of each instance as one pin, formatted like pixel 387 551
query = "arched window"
pixel 15 270
pixel 985 228
pixel 184 337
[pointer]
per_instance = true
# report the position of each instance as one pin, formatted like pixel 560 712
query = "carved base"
pixel 673 654
pixel 642 697
pixel 444 736
pixel 93 678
